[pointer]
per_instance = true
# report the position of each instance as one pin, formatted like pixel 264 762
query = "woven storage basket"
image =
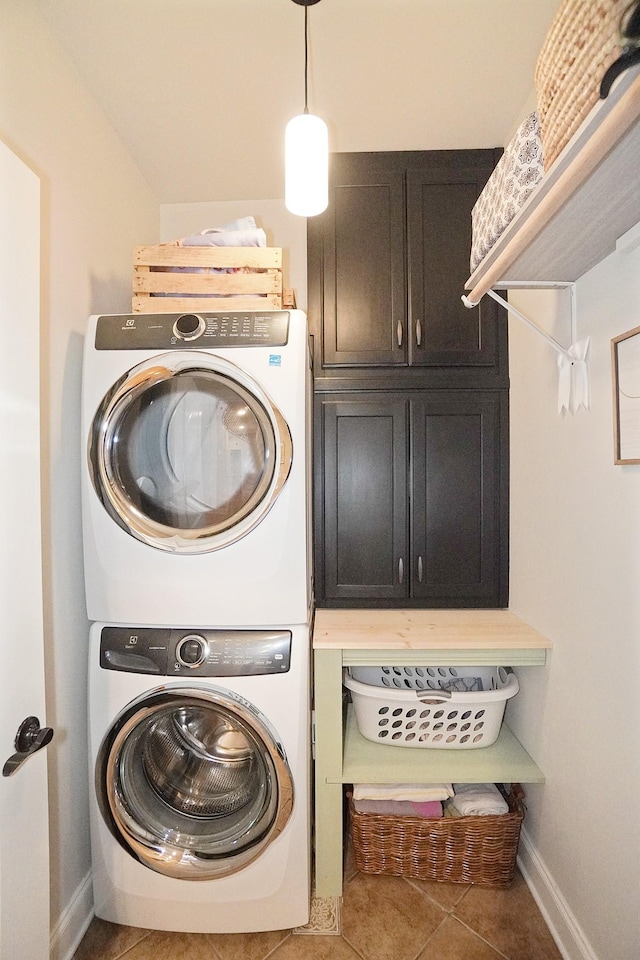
pixel 478 850
pixel 582 42
pixel 410 707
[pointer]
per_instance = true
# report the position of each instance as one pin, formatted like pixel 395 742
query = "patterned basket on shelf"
pixel 479 850
pixel 582 42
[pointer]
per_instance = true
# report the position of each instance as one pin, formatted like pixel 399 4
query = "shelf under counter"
pixel 505 761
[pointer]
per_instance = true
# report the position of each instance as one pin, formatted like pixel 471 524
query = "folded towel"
pixel 400 808
pixel 449 810
pixel 428 809
pixel 240 233
pixel 478 799
pixel 417 792
pixel 242 223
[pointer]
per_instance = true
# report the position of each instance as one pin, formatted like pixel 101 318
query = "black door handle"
pixel 30 738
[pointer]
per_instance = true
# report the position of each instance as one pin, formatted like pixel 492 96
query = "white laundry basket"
pixel 434 707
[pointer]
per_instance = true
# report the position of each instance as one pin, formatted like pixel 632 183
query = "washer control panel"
pixel 200 653
pixel 201 331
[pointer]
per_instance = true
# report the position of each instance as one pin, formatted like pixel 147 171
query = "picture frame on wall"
pixel 625 360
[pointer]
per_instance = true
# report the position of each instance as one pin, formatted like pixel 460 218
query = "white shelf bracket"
pixel 573 373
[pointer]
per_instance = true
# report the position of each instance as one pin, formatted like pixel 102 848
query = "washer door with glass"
pixel 187 453
pixel 193 783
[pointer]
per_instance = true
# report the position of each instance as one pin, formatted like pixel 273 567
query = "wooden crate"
pixel 158 287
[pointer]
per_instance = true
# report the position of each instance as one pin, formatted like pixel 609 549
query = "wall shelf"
pixel 405 637
pixel 587 199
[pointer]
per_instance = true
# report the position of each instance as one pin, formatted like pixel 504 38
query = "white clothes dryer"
pixel 199 777
pixel 196 483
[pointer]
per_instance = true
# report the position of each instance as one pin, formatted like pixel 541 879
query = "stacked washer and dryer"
pixel 196 516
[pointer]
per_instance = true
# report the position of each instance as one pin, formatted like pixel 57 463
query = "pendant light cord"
pixel 306 58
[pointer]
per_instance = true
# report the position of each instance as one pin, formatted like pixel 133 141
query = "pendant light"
pixel 306 151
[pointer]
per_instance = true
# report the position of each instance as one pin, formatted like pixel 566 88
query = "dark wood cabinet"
pixel 443 332
pixel 363 497
pixel 361 247
pixel 387 266
pixel 411 499
pixel 411 388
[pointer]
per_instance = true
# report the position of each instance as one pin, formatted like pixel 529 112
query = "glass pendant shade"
pixel 306 173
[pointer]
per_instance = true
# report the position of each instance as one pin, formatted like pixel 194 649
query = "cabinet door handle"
pixel 400 570
pixel 399 333
pixel 419 332
pixel 420 569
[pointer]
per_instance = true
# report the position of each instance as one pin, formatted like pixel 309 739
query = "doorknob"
pixel 30 738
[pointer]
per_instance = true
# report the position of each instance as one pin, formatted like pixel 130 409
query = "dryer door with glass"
pixel 187 453
pixel 193 782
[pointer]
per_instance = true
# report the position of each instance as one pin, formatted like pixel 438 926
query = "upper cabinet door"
pixel 443 332
pixel 363 268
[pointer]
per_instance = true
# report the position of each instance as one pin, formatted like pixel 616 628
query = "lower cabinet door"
pixel 361 501
pixel 411 499
pixel 458 506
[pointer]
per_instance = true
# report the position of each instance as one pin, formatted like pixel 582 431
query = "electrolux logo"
pixel 275 359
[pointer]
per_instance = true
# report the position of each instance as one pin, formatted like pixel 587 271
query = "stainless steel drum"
pixel 199 762
pixel 193 781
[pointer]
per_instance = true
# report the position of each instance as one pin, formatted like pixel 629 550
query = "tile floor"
pixel 383 918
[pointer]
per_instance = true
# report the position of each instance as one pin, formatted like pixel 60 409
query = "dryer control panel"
pixel 202 331
pixel 200 653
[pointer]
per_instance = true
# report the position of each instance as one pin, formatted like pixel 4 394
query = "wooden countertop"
pixel 385 629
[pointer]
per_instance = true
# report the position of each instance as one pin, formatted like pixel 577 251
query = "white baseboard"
pixel 73 922
pixel 564 928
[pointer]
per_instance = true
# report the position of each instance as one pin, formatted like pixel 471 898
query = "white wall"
pixel 575 575
pixel 96 206
pixel 202 92
pixel 282 229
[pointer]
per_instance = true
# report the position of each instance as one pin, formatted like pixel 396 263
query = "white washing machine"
pixel 199 769
pixel 196 482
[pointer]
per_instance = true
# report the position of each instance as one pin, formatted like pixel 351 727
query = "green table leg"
pixel 328 772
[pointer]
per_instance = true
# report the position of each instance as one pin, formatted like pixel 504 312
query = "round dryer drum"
pixel 193 783
pixel 187 453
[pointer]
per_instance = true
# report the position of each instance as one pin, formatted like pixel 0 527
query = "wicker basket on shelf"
pixel 479 849
pixel 582 42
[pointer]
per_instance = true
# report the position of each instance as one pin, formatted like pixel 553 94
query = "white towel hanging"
pixel 573 372
pixel 573 378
